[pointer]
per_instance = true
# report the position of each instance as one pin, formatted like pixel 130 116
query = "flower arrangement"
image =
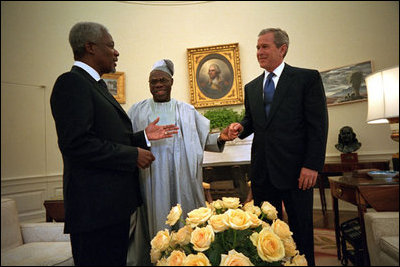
pixel 226 234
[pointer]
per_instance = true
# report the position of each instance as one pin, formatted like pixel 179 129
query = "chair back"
pixel 10 228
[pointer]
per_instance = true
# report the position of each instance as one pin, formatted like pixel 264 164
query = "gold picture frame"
pixel 203 64
pixel 116 85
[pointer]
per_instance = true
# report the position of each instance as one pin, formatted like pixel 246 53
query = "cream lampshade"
pixel 383 99
pixel 383 102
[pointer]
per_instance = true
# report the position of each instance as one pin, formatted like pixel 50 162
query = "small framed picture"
pixel 214 75
pixel 116 85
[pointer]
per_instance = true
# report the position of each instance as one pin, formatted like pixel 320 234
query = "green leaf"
pixel 214 253
pixel 222 117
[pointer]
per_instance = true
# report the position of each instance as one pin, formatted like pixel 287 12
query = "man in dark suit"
pixel 100 152
pixel 290 131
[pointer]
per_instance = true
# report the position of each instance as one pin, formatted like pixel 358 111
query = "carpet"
pixel 325 250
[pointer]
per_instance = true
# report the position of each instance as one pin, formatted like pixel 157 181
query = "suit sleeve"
pixel 80 137
pixel 247 121
pixel 316 118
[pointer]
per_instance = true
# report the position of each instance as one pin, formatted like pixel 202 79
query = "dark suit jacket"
pixel 294 134
pixel 99 152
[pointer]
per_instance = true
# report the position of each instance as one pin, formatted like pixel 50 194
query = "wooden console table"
pixel 380 195
pixel 54 210
pixel 337 168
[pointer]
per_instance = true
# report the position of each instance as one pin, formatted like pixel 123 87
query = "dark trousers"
pixel 101 247
pixel 299 208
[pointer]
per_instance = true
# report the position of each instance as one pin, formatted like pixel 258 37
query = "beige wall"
pixel 324 35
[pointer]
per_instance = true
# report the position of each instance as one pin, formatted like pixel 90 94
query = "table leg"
pixel 321 188
pixel 337 226
pixel 361 210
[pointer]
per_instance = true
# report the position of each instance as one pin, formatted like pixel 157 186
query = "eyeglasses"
pixel 161 80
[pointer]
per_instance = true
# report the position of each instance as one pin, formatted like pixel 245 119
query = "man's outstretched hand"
pixel 155 132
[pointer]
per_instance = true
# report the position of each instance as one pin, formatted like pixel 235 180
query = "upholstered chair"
pixel 382 232
pixel 32 244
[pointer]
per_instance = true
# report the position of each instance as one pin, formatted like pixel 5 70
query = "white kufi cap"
pixel 164 65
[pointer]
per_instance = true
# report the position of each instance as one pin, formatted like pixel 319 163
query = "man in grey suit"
pixel 290 125
pixel 100 152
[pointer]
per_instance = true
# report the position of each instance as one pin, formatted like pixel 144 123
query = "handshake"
pixel 156 132
pixel 231 132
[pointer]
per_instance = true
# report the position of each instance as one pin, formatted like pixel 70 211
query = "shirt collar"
pixel 277 71
pixel 92 72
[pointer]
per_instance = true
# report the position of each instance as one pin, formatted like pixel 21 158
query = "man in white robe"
pixel 175 177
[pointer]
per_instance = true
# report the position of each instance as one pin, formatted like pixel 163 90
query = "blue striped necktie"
pixel 269 90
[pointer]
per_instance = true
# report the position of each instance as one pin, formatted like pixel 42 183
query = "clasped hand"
pixel 231 132
pixel 154 132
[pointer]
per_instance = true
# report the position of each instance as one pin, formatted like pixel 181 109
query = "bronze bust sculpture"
pixel 347 141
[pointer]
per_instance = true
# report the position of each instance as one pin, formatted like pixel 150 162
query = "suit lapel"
pixel 98 87
pixel 280 91
pixel 259 100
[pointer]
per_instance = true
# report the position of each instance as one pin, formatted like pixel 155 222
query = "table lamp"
pixel 383 102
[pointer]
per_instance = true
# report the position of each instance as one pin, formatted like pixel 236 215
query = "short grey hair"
pixel 280 37
pixel 83 32
pixel 217 69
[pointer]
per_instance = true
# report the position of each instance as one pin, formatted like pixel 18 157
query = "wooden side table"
pixel 54 210
pixel 364 193
pixel 337 168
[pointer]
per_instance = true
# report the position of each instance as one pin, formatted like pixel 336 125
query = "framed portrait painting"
pixel 346 84
pixel 116 85
pixel 214 75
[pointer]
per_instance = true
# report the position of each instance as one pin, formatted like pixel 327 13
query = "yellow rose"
pixel 182 237
pixel 162 262
pixel 269 210
pixel 298 260
pixel 235 259
pixel 255 221
pixel 288 263
pixel 249 207
pixel 231 202
pixel 217 204
pixel 202 238
pixel 196 260
pixel 237 219
pixel 161 240
pixel 217 222
pixel 281 229
pixel 174 215
pixel 254 238
pixel 155 255
pixel 248 204
pixel 198 216
pixel 290 247
pixel 269 246
pixel 265 225
pixel 176 258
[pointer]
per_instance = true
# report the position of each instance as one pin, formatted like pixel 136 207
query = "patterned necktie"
pixel 269 90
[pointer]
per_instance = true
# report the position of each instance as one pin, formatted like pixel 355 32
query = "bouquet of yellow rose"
pixel 226 234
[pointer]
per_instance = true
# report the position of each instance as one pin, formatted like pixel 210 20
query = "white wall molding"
pixel 30 193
